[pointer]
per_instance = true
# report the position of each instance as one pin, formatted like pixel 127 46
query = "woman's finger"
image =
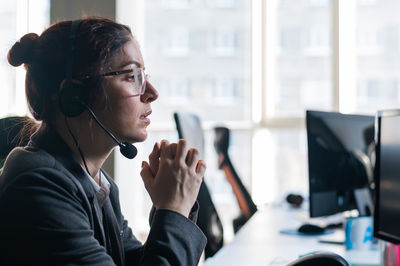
pixel 172 150
pixel 181 150
pixel 164 149
pixel 147 176
pixel 201 168
pixel 192 158
pixel 154 158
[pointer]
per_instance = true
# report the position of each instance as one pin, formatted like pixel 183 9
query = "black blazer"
pixel 49 215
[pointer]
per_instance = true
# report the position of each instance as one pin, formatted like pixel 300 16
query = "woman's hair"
pixel 45 58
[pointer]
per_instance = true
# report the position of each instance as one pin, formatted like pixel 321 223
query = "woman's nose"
pixel 150 94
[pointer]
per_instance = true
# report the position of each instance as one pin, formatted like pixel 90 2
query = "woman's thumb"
pixel 147 175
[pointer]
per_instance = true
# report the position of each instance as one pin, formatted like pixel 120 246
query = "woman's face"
pixel 126 113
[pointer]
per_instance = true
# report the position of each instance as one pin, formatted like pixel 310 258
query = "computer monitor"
pixel 338 162
pixel 387 176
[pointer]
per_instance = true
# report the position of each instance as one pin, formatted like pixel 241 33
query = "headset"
pixel 74 95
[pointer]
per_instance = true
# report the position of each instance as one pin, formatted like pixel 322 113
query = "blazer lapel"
pixel 113 229
pixel 48 139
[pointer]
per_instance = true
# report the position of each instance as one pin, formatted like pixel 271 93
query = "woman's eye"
pixel 131 78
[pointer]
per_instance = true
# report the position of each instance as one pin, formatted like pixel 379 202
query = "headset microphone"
pixel 126 148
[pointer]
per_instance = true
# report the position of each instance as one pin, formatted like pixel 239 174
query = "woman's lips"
pixel 145 118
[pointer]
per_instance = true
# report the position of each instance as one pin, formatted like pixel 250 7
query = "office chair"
pixel 320 258
pixel 245 202
pixel 189 128
pixel 10 128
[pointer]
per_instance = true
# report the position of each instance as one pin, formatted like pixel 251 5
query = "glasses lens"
pixel 142 81
pixel 138 81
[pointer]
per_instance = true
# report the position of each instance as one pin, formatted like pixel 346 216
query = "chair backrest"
pixel 189 128
pixel 320 258
pixel 245 202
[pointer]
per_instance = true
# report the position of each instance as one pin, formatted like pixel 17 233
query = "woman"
pixel 57 206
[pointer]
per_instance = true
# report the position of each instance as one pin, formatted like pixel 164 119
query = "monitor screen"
pixel 387 176
pixel 338 161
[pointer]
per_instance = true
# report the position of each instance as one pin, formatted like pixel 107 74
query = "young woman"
pixel 86 80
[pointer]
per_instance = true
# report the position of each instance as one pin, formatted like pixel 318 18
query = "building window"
pixel 367 2
pixel 177 91
pixel 223 3
pixel 177 43
pixel 318 3
pixel 177 4
pixel 318 42
pixel 368 41
pixel 225 42
pixel 225 91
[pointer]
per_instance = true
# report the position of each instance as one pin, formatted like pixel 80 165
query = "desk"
pixel 260 243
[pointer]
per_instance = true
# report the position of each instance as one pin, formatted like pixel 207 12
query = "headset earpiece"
pixel 73 96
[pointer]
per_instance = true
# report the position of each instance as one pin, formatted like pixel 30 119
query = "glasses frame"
pixel 140 88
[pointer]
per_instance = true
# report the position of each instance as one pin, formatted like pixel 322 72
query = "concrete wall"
pixel 76 9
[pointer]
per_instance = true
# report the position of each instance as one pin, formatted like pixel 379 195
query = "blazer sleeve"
pixel 173 240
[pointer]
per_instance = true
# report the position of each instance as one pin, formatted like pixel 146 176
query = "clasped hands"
pixel 173 176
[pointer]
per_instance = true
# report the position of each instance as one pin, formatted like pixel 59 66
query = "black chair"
pixel 10 137
pixel 319 259
pixel 189 128
pixel 245 202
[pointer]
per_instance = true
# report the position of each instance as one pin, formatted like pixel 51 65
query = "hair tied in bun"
pixel 21 51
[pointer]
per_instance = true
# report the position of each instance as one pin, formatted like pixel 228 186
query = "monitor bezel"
pixel 378 119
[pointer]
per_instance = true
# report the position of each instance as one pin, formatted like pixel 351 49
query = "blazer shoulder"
pixel 34 163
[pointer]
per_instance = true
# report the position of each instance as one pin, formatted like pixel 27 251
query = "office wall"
pixel 75 9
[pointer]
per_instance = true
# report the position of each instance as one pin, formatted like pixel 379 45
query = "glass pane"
pixel 279 164
pixel 8 31
pixel 377 59
pixel 16 19
pixel 198 55
pixel 299 74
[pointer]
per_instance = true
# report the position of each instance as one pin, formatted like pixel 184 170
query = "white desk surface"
pixel 259 242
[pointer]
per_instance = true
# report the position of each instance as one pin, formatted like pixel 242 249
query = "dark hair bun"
pixel 21 52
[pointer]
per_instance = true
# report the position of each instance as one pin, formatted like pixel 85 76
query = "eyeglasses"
pixel 139 78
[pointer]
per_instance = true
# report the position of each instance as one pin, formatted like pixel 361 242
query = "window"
pixel 225 42
pixel 177 90
pixel 374 70
pixel 368 2
pixel 368 41
pixel 256 66
pixel 16 19
pixel 177 43
pixel 289 40
pixel 299 74
pixel 318 3
pixel 196 50
pixel 225 91
pixel 223 3
pixel 177 4
pixel 318 41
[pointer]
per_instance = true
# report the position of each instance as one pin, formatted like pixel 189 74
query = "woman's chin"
pixel 138 138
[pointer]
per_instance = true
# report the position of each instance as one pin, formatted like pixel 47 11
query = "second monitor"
pixel 340 147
